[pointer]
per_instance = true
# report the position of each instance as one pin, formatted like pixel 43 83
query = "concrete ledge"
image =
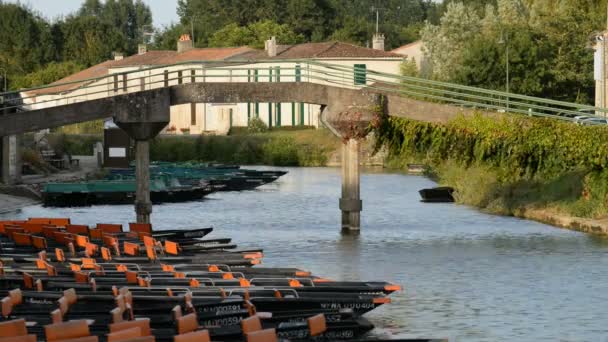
pixel 579 224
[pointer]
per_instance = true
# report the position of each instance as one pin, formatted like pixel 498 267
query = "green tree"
pixel 50 73
pixel 26 41
pixel 88 40
pixel 254 35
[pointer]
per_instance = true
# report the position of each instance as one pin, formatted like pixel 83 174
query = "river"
pixel 468 276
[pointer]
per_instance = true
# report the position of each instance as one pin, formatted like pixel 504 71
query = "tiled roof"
pixel 418 42
pixel 150 58
pixel 322 50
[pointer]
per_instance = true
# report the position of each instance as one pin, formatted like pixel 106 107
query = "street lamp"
pixel 504 39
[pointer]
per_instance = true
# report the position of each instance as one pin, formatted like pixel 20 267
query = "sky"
pixel 163 11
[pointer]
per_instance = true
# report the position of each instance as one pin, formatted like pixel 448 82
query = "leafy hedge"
pixel 523 146
pixel 267 148
pixel 506 164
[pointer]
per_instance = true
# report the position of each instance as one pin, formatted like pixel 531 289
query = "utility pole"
pixel 377 10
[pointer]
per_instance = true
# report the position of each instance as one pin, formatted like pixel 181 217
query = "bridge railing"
pixel 346 76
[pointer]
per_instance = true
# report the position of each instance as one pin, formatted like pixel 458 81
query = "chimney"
pixel 118 56
pixel 378 41
pixel 184 43
pixel 271 47
pixel 142 49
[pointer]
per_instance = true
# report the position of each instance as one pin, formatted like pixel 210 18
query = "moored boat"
pixel 437 195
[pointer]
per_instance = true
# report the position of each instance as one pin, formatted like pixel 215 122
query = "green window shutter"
pixel 248 112
pixel 298 73
pixel 278 73
pixel 293 113
pixel 269 115
pixel 301 113
pixel 278 111
pixel 248 75
pixel 257 109
pixel 255 75
pixel 270 74
pixel 360 74
pixel 230 117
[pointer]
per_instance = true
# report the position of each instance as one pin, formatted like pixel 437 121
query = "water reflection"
pixel 467 275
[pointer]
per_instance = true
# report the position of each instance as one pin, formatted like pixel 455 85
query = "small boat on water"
pixel 442 194
pixel 120 192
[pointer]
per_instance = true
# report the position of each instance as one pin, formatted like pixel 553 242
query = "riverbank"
pixel 538 169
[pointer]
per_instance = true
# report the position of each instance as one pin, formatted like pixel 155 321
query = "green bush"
pixel 281 151
pixel 304 148
pixel 76 145
pixel 256 125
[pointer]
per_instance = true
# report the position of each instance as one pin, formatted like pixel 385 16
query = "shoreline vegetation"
pixel 540 169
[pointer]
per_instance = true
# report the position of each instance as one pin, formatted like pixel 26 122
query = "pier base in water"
pixel 143 205
pixel 10 154
pixel 350 202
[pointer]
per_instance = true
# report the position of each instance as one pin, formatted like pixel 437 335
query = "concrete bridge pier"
pixel 10 148
pixel 143 204
pixel 143 116
pixel 350 202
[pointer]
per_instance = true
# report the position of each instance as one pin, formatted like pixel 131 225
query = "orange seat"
pixel 81 339
pixel 139 339
pixel 110 228
pixel 59 222
pixel 13 328
pixel 39 242
pixel 317 324
pixel 140 227
pixel 142 324
pixel 66 330
pixel 77 229
pixel 124 334
pixel 187 323
pixel 16 296
pixel 23 338
pixel 70 295
pixel 7 306
pixel 39 220
pixel 251 324
pixel 266 335
pixel 22 239
pixel 195 336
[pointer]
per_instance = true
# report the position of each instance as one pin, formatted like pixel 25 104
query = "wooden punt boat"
pixel 78 273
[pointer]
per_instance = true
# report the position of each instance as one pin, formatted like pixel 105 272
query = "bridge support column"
pixel 142 116
pixel 350 203
pixel 11 159
pixel 143 205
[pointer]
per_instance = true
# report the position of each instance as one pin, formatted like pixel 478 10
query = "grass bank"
pixel 309 147
pixel 512 165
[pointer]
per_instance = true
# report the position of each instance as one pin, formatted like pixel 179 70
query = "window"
pixel 360 74
pixel 277 110
pixel 298 73
pixel 193 114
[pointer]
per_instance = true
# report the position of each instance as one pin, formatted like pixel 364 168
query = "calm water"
pixel 467 275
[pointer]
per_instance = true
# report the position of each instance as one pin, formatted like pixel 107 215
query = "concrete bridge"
pixel 140 103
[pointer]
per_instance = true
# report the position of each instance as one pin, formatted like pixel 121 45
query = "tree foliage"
pixel 314 20
pixel 254 35
pixel 28 42
pixel 547 42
